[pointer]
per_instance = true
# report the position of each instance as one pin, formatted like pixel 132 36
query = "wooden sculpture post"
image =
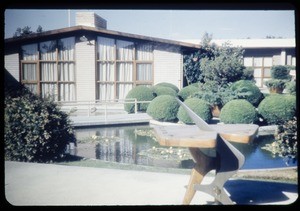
pixel 226 161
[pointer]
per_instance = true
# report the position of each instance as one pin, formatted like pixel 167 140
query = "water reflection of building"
pixel 116 144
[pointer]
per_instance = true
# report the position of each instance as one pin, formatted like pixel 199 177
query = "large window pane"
pixel 268 61
pixel 257 72
pixel 66 49
pixel 49 90
pixel 122 90
pixel 31 87
pixel 106 91
pixel 106 71
pixel 66 71
pixel 144 72
pixel 106 50
pixel 124 71
pixel 48 72
pixel 248 61
pixel 29 72
pixel 48 50
pixel 30 52
pixel 144 52
pixel 267 72
pixel 257 62
pixel 125 50
pixel 67 92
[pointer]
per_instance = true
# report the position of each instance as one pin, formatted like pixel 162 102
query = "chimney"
pixel 90 19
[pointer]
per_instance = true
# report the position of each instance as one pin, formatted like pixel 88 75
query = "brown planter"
pixel 215 111
pixel 276 90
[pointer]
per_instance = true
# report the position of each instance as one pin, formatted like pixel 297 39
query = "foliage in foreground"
pixel 285 144
pixel 35 129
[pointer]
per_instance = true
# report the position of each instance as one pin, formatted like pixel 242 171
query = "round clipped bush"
pixel 166 84
pixel 238 111
pixel 35 129
pixel 200 107
pixel 188 91
pixel 164 90
pixel 163 108
pixel 277 108
pixel 246 89
pixel 280 72
pixel 141 93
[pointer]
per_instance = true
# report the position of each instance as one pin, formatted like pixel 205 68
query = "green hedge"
pixel 238 111
pixel 277 108
pixel 280 72
pixel 166 84
pixel 163 108
pixel 200 107
pixel 35 129
pixel 255 96
pixel 188 91
pixel 141 93
pixel 164 90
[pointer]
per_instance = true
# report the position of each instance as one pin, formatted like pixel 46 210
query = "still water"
pixel 133 144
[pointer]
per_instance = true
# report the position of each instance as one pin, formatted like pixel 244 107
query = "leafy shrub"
pixel 276 83
pixel 238 111
pixel 166 84
pixel 188 91
pixel 163 108
pixel 35 129
pixel 164 90
pixel 213 98
pixel 200 107
pixel 285 144
pixel 291 87
pixel 250 90
pixel 280 72
pixel 141 93
pixel 277 108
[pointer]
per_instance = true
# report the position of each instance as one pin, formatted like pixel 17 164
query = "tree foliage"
pixel 221 64
pixel 20 32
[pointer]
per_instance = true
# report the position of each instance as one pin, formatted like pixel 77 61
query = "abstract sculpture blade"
pixel 229 161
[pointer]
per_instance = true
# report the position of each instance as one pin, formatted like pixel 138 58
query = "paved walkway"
pixel 50 184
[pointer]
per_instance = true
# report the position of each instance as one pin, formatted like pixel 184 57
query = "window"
pixel 48 69
pixel 262 67
pixel 122 65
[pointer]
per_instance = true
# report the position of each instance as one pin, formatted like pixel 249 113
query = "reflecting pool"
pixel 136 145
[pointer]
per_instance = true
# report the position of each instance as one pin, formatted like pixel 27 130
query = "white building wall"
pixel 168 65
pixel 85 71
pixel 11 64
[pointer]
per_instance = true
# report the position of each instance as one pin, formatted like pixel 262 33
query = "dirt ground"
pixel 287 174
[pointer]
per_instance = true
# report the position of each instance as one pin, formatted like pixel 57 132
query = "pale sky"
pixel 168 24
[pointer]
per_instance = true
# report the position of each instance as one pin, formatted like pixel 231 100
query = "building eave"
pixel 79 28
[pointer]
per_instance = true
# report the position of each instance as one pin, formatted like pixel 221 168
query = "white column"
pixel 283 57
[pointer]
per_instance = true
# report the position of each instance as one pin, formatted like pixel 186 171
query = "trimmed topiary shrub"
pixel 188 91
pixel 35 129
pixel 164 90
pixel 200 107
pixel 238 111
pixel 254 95
pixel 280 72
pixel 163 108
pixel 141 93
pixel 166 84
pixel 277 108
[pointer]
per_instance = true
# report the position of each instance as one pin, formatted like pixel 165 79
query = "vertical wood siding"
pixel 85 71
pixel 168 65
pixel 11 64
